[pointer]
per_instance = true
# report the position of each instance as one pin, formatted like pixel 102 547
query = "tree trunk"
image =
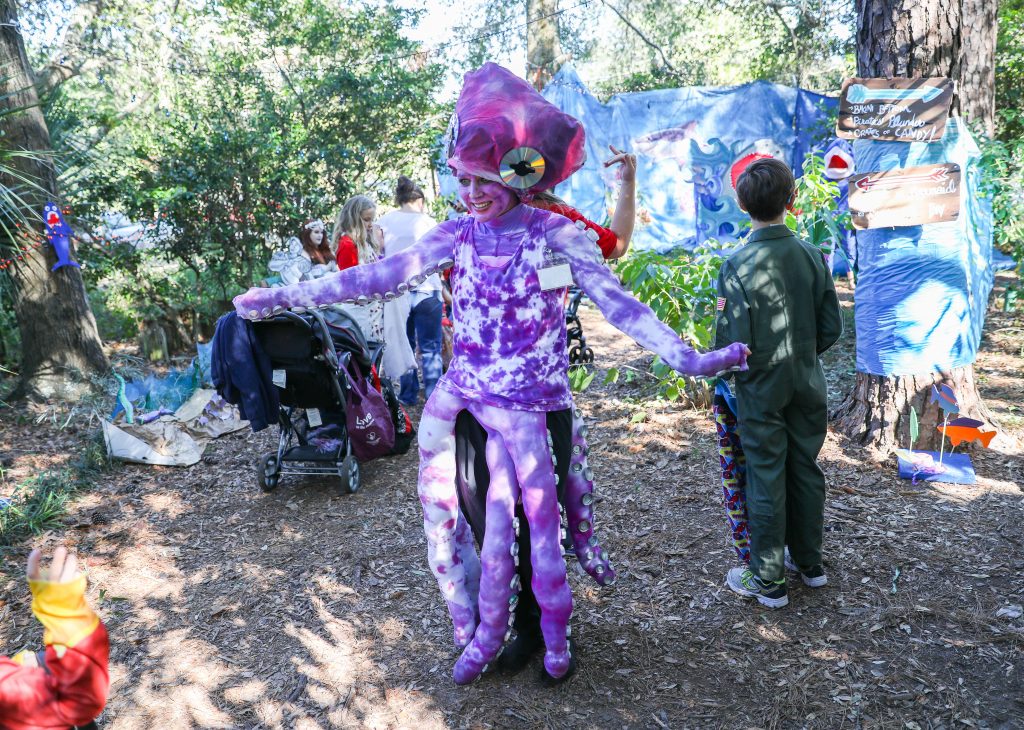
pixel 978 70
pixel 876 413
pixel 921 38
pixel 60 345
pixel 543 51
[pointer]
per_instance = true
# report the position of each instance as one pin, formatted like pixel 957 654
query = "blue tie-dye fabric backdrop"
pixel 923 291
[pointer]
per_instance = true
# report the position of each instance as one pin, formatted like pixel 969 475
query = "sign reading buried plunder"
pixel 909 197
pixel 899 110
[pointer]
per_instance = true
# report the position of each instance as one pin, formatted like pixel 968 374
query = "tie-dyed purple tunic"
pixel 509 346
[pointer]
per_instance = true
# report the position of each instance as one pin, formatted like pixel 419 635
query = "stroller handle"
pixel 326 338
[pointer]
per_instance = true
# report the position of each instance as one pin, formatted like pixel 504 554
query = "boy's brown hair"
pixel 765 189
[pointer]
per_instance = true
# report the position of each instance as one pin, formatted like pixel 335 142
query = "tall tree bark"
pixel 59 341
pixel 922 38
pixel 543 51
pixel 977 100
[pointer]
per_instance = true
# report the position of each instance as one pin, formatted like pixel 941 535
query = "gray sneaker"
pixel 812 577
pixel 768 593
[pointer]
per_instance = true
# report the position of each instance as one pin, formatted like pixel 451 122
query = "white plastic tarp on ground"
pixel 173 440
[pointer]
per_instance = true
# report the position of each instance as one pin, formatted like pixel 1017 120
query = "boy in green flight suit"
pixel 777 295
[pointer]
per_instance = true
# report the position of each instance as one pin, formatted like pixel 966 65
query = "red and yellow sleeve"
pixel 71 686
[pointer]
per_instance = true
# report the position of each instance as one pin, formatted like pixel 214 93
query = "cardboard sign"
pixel 899 110
pixel 909 197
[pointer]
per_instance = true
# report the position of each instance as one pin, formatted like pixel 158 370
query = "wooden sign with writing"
pixel 900 110
pixel 909 197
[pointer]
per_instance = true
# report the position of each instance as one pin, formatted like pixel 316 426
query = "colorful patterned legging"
pixel 734 476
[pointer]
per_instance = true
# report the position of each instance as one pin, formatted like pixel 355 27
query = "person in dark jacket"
pixel 776 294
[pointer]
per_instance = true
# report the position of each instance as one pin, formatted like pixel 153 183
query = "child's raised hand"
pixel 63 566
pixel 628 161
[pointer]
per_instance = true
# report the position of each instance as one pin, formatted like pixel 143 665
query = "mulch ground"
pixel 230 608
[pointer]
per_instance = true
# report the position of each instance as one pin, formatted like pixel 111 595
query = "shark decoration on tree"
pixel 58 232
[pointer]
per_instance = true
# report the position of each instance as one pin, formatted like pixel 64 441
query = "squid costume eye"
pixel 521 168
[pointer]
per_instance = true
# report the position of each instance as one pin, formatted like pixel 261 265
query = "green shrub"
pixel 819 221
pixel 39 502
pixel 1003 181
pixel 680 288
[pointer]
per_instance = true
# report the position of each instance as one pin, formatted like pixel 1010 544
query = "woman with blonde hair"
pixel 357 241
pixel 355 238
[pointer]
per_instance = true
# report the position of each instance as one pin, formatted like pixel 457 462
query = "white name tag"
pixel 555 277
pixel 279 378
pixel 313 416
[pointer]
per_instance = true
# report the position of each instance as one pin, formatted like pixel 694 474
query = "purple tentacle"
pixel 527 441
pixel 447 557
pixel 466 547
pixel 499 584
pixel 579 501
pixel 627 314
pixel 358 284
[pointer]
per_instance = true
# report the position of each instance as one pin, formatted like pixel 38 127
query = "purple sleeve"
pixel 384 279
pixel 626 313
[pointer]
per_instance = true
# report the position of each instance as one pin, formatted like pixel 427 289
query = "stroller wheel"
pixel 574 355
pixel 588 355
pixel 267 474
pixel 348 472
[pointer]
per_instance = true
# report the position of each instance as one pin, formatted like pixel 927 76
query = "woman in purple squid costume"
pixel 510 365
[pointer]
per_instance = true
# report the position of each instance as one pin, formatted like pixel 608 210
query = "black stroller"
pixel 310 358
pixel 575 340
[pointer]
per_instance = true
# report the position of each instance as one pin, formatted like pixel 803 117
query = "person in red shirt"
pixel 614 240
pixel 354 238
pixel 357 240
pixel 65 685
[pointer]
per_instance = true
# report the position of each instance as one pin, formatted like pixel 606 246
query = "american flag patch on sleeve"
pixel 720 304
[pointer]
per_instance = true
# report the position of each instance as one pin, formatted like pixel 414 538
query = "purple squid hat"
pixel 504 130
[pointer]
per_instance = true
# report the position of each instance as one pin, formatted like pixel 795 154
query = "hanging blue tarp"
pixel 922 291
pixel 686 141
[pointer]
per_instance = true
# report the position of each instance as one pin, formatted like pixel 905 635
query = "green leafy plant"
pixel 40 501
pixel 1002 163
pixel 680 288
pixel 580 378
pixel 816 217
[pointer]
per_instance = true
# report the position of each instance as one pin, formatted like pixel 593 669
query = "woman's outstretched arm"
pixel 392 275
pixel 629 315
